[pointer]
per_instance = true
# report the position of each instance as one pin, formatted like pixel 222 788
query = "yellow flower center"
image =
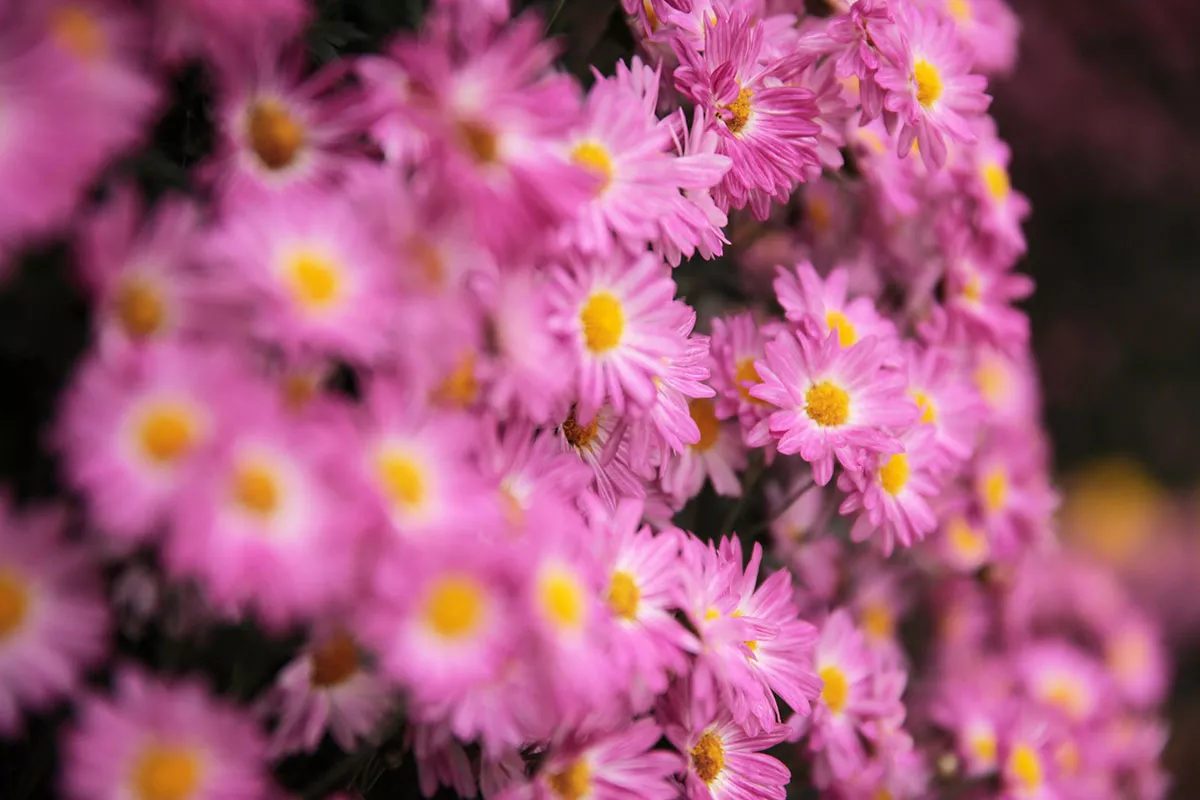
pixel 78 32
pixel 594 157
pixel 623 595
pixel 428 259
pixel 747 373
pixel 708 757
pixel 822 217
pixel 603 322
pixel 969 543
pixel 167 773
pixel 139 308
pixel 739 111
pixel 314 280
pixel 403 479
pixel 704 414
pixel 893 475
pixel 837 321
pixel 1066 695
pixel 335 661
pixel 1026 767
pixel 481 142
pixel 960 10
pixel 827 405
pixel 836 692
pixel 276 137
pixel 460 388
pixel 167 433
pixel 926 407
pixel 256 488
pixel 878 621
pixel 572 783
pixel 995 177
pixel 14 603
pixel 454 607
pixel 983 747
pixel 562 600
pixel 580 436
pixel 929 82
pixel 1127 653
pixel 995 490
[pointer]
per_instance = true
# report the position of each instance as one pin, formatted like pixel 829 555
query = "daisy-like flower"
pixel 892 492
pixel 611 766
pixel 1028 767
pixel 717 455
pixel 638 175
pixel 317 274
pixel 132 425
pixel 681 382
pixel 973 711
pixel 155 740
pixel 326 688
pixel 854 33
pixel 620 319
pixel 947 402
pixel 271 496
pixel 642 593
pixel 737 343
pixel 139 268
pixel 929 86
pixel 767 126
pixel 1064 679
pixel 823 306
pixel 603 444
pixel 686 235
pixel 53 620
pixel 1000 209
pixel 1136 660
pixel 978 300
pixel 1012 489
pixel 834 401
pixel 280 132
pixel 724 762
pixel 987 28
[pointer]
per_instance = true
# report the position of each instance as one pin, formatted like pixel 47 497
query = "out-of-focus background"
pixel 1103 119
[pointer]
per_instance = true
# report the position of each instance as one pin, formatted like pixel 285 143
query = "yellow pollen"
pixel 747 373
pixel 992 380
pixel 167 773
pixel 428 260
pixel 740 111
pixel 1067 757
pixel 878 621
pixel 893 475
pixel 651 17
pixel 256 488
pixel 460 388
pixel 603 321
pixel 969 543
pixel 314 280
pixel 139 308
pixel 1127 653
pixel 334 662
pixel 623 595
pixel 925 405
pixel 1026 767
pixel 972 290
pixel 580 436
pixel 959 9
pixel 276 137
pixel 403 480
pixel 708 757
pixel 593 157
pixel 300 388
pixel 836 692
pixel 480 141
pixel 753 645
pixel 837 321
pixel 572 783
pixel 14 603
pixel 711 614
pixel 78 32
pixel 1066 695
pixel 983 747
pixel 995 177
pixel 167 433
pixel 562 600
pixel 872 140
pixel 929 83
pixel 704 415
pixel 827 405
pixel 995 490
pixel 454 607
pixel 822 218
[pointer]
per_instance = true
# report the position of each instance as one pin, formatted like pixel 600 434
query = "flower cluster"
pixel 430 369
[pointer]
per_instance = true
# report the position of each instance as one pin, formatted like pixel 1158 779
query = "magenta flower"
pixel 822 306
pixel 717 455
pixel 611 766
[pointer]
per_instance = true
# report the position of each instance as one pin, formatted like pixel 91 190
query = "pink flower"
pixel 979 298
pixel 929 86
pixel 766 126
pixel 948 404
pixel 738 342
pixel 611 766
pixel 603 443
pixel 620 319
pixel 987 28
pixel 681 383
pixel 192 27
pixel 1000 209
pixel 833 401
pixel 327 688
pixel 854 33
pixel 156 739
pixel 53 619
pixel 636 173
pixel 1065 680
pixel 688 234
pixel 717 456
pixel 1136 660
pixel 823 306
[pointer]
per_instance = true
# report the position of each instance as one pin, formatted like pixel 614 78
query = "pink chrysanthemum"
pixel 157 740
pixel 854 33
pixel 1000 209
pixel 620 318
pixel 611 766
pixel 987 28
pixel 822 306
pixel 327 688
pixel 637 174
pixel 687 235
pixel 738 342
pixel 53 620
pixel 835 401
pixel 681 382
pixel 717 456
pixel 766 126
pixel 978 301
pixel 929 86
pixel 947 403
pixel 603 443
